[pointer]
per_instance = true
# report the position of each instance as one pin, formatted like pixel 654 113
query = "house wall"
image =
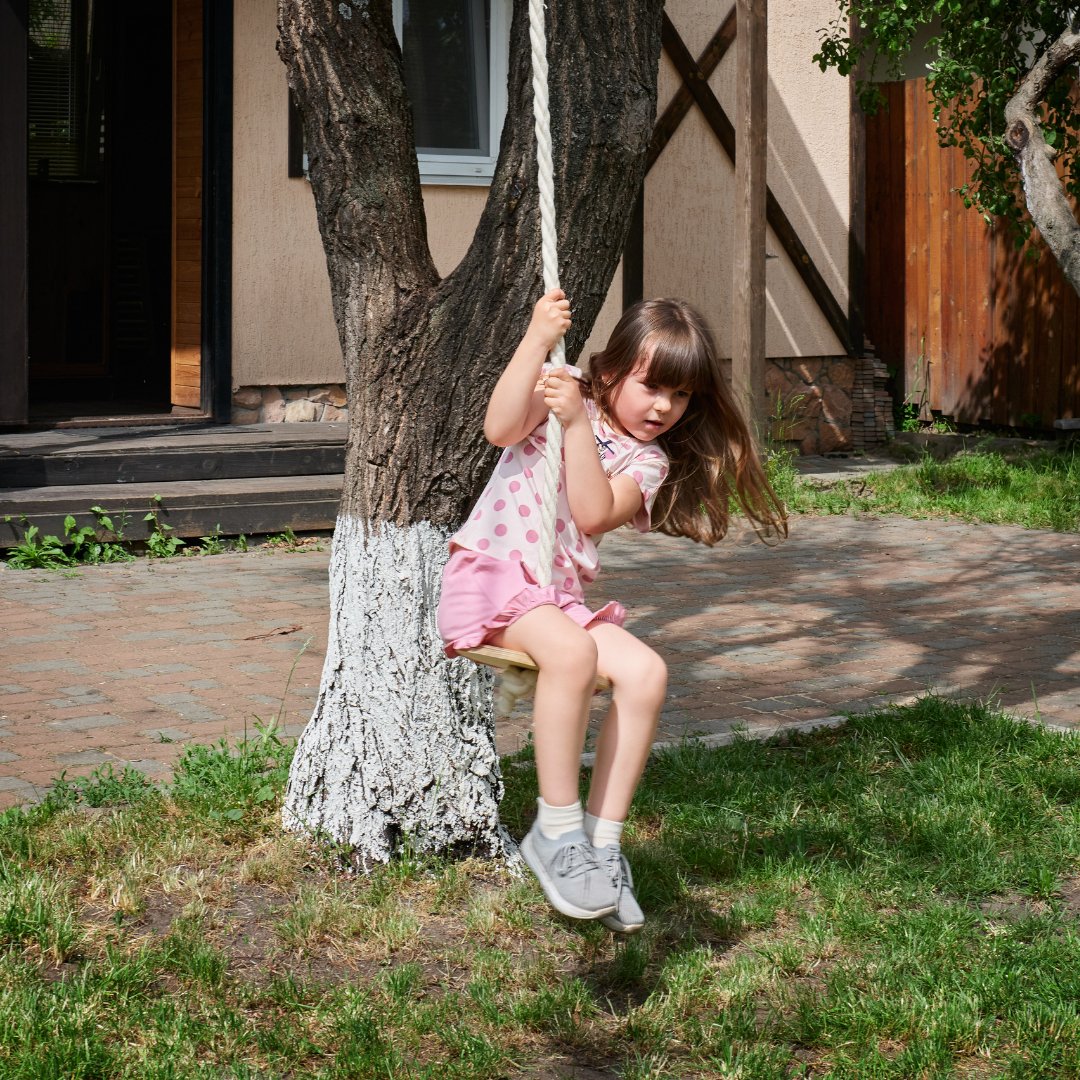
pixel 688 229
pixel 283 331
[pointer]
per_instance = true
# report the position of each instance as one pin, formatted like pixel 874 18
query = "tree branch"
pixel 1043 191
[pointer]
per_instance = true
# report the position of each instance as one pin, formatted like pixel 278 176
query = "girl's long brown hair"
pixel 713 455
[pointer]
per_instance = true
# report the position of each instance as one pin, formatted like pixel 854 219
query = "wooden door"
pixel 186 363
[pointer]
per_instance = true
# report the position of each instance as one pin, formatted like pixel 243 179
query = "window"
pixel 65 117
pixel 456 54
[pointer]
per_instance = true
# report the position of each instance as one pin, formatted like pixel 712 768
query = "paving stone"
pixel 151 670
pixel 187 707
pixel 82 757
pixel 74 666
pixel 166 734
pixel 13 783
pixel 148 765
pixel 82 723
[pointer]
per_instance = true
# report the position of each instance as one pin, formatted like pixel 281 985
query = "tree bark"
pixel 1043 191
pixel 401 740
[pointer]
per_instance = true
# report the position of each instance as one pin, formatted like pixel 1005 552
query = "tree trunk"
pixel 1043 191
pixel 401 740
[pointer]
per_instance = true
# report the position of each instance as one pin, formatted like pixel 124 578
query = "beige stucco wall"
pixel 283 330
pixel 688 226
pixel 283 326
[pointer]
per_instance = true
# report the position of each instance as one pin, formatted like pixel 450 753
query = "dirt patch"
pixel 941 445
pixel 1069 891
pixel 1012 907
pixel 561 1068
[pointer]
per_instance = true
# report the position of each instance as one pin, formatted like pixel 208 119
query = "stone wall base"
pixel 825 405
pixel 288 404
pixel 818 405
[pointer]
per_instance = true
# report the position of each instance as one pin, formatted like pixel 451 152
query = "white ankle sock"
pixel 602 832
pixel 556 821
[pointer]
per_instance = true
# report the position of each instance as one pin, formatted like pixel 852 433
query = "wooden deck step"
pixel 160 455
pixel 253 505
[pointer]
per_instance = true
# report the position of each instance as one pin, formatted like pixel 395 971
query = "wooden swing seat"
pixel 493 656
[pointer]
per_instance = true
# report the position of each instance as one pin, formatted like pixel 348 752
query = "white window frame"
pixel 475 169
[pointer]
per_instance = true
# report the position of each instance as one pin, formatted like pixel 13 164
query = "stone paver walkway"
pixel 126 663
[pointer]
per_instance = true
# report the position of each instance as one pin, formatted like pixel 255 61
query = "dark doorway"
pixel 99 143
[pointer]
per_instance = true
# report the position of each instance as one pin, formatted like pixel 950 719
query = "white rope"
pixel 515 682
pixel 550 258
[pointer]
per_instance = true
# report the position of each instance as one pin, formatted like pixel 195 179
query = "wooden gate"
pixel 981 332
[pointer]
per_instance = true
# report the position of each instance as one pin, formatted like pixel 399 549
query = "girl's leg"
pixel 639 682
pixel 556 849
pixel 566 656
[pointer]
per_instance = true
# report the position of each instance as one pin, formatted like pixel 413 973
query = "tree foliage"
pixel 981 50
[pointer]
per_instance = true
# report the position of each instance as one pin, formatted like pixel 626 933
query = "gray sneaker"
pixel 572 876
pixel 627 918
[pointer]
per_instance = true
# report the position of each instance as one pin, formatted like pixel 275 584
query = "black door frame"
pixel 14 213
pixel 216 367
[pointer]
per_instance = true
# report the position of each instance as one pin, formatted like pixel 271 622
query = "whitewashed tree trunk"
pixel 401 743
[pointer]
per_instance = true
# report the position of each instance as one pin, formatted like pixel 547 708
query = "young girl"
pixel 653 439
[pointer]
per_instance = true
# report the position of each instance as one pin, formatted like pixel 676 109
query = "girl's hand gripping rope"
pixel 550 319
pixel 562 395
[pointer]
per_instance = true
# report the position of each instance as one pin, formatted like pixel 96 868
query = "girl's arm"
pixel 517 404
pixel 597 504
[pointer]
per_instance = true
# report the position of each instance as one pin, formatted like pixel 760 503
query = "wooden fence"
pixel 981 332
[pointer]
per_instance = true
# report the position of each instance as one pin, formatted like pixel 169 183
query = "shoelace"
pixel 572 860
pixel 613 863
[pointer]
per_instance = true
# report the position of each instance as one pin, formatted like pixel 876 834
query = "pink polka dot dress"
pixel 492 576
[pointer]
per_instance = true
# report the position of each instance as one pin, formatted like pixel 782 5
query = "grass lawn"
pixel 1036 490
pixel 895 898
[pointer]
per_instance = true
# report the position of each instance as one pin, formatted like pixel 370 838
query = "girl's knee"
pixel 574 659
pixel 646 679
pixel 654 674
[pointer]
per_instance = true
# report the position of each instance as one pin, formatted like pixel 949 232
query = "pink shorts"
pixel 482 595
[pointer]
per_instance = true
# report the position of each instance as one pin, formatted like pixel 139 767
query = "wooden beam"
pixel 857 206
pixel 681 103
pixel 633 273
pixel 633 258
pixel 748 264
pixel 777 220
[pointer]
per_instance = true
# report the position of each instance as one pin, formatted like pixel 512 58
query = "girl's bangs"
pixel 677 361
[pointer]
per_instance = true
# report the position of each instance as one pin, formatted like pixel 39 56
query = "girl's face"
pixel 644 409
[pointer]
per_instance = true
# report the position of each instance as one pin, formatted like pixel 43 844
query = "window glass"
pixel 66 130
pixel 445 45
